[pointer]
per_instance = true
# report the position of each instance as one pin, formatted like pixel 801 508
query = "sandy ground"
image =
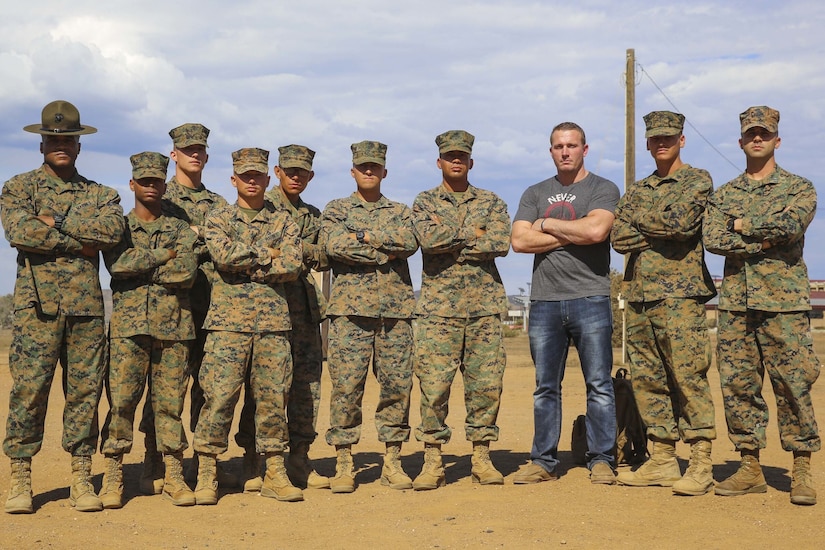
pixel 569 513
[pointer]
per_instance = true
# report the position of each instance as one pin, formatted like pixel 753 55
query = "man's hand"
pixel 48 220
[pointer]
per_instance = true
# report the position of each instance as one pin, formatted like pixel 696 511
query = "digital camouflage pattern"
pixel 459 277
pixel 370 305
pixel 779 209
pixel 306 311
pixel 250 159
pixel 763 324
pixel 659 226
pixel 229 357
pixel 151 322
pixel 353 341
pixel 133 358
pixel 248 294
pixel 369 151
pixel 58 304
pixel 455 140
pixel 762 117
pixel 445 344
pixel 149 165
pixel 295 156
pixel 188 134
pixel 750 344
pixel 371 279
pixel 663 123
pixel 150 290
pixel 462 298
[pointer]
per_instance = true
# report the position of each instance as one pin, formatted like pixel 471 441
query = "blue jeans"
pixel 589 322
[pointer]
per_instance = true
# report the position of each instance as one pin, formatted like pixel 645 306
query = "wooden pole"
pixel 629 160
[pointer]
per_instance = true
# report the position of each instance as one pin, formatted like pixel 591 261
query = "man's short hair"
pixel 568 126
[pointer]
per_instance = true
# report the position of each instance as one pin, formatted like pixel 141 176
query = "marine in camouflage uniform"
pixel 461 230
pixel 255 249
pixel 666 284
pixel 58 221
pixel 188 199
pixel 368 239
pixel 758 222
pixel 152 269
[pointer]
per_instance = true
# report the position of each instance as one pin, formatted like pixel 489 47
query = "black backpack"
pixel 631 433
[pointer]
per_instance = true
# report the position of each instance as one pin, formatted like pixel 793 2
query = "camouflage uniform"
pixel 192 206
pixel 659 225
pixel 150 328
pixel 370 308
pixel 248 323
pixel 58 304
pixel 459 310
pixel 763 305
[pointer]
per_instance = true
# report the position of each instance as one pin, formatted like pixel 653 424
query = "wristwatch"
pixel 58 221
pixel 359 236
pixel 730 224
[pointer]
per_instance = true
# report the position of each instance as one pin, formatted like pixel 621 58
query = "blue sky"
pixel 326 74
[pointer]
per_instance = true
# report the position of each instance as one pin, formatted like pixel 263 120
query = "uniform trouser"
pixel 38 342
pixel 473 346
pixel 305 391
pixel 750 343
pixel 669 352
pixel 131 360
pixel 353 341
pixel 228 357
pixel 147 421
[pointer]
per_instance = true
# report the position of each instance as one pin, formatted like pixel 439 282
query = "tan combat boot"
pixel 802 485
pixel 747 479
pixel 276 482
pixel 225 479
pixel 175 488
pixel 111 493
pixel 661 469
pixel 698 478
pixel 151 480
pixel 251 474
pixel 206 491
pixel 300 469
pixel 20 487
pixel 432 473
pixel 482 470
pixel 344 480
pixel 82 494
pixel 392 474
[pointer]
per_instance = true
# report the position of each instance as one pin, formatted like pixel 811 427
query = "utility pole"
pixel 629 160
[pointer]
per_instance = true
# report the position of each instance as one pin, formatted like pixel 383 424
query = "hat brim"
pixel 250 167
pixel 295 164
pixel 366 160
pixel 747 127
pixel 38 129
pixel 455 148
pixel 663 131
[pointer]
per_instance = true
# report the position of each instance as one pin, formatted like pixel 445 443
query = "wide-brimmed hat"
pixel 60 118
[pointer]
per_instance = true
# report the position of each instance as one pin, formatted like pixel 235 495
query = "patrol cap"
pixel 249 159
pixel 369 151
pixel 663 123
pixel 149 165
pixel 455 140
pixel 761 116
pixel 188 134
pixel 60 118
pixel 295 156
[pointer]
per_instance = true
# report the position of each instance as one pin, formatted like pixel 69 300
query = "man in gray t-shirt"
pixel 565 221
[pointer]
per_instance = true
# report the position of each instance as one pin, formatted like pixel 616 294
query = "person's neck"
pixel 147 213
pixel 63 173
pixel 192 181
pixel 667 168
pixel 759 169
pixel 256 203
pixel 456 186
pixel 569 178
pixel 291 198
pixel 371 195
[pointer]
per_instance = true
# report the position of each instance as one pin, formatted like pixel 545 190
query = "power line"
pixel 718 152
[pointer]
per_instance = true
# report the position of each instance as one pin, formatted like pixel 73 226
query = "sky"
pixel 326 74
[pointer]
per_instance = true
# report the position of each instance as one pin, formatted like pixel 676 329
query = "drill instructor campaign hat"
pixel 60 118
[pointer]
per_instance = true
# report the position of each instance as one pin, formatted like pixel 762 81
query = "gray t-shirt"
pixel 572 271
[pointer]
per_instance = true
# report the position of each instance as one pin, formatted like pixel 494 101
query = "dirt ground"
pixel 569 513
